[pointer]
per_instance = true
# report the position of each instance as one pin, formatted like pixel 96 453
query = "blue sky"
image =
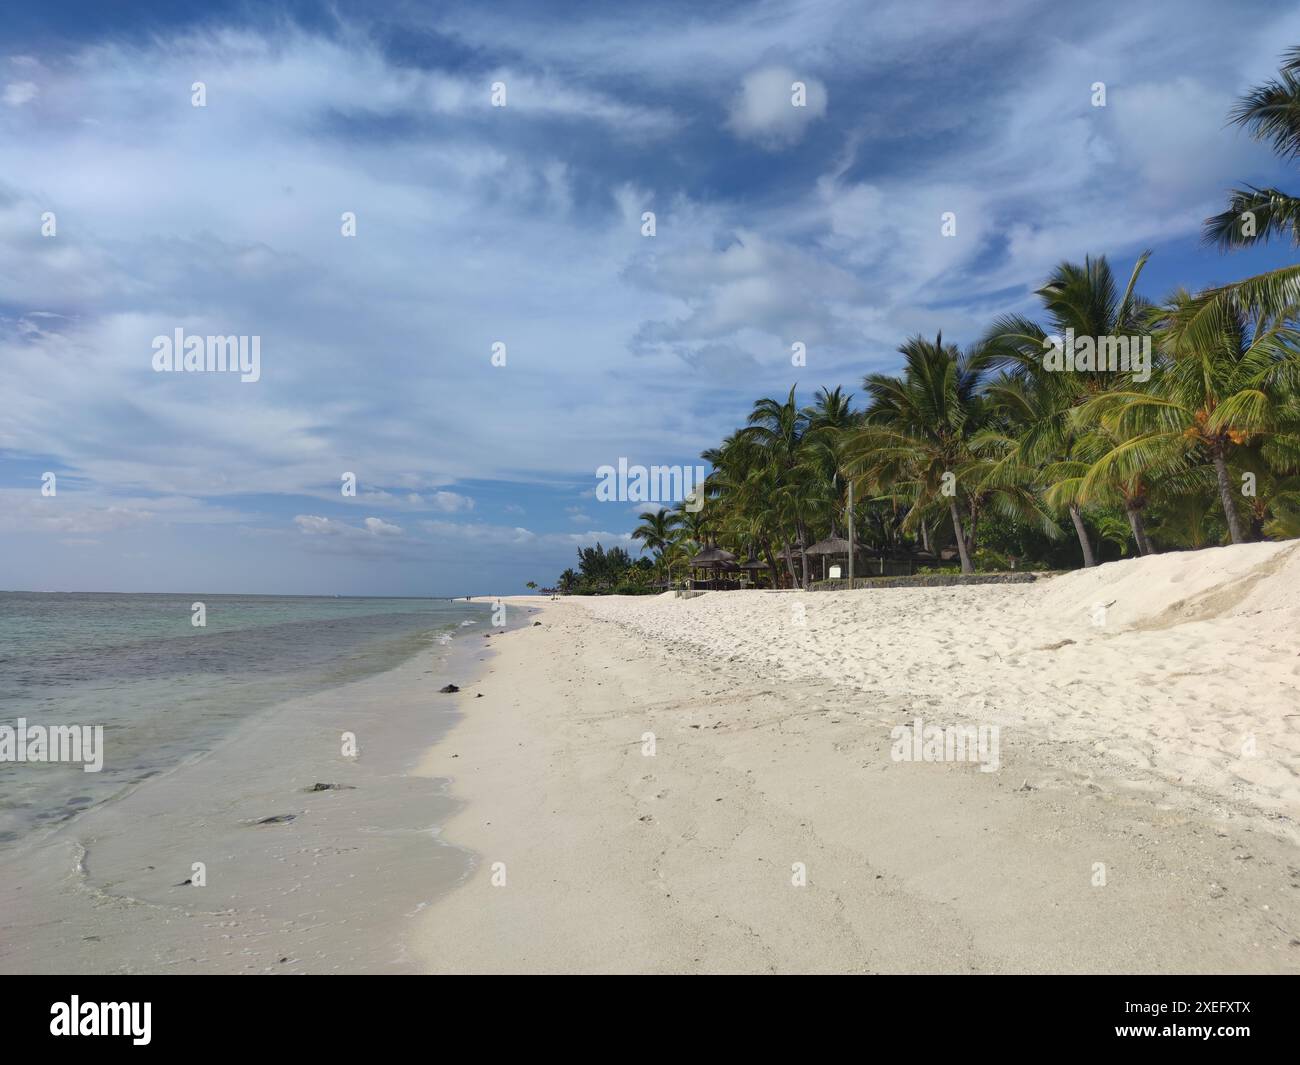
pixel 522 225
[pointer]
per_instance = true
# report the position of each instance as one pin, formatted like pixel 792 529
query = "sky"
pixel 515 216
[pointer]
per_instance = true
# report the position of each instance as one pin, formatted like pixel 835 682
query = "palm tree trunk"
pixel 1139 528
pixel 772 567
pixel 966 567
pixel 925 536
pixel 1076 515
pixel 789 564
pixel 1235 530
pixel 972 528
pixel 803 554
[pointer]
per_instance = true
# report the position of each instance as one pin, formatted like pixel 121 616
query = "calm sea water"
pixel 165 690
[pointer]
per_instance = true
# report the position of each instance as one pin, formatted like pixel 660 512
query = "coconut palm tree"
pixel 1222 395
pixel 915 441
pixel 1216 393
pixel 1102 470
pixel 777 428
pixel 656 534
pixel 692 527
pixel 1086 301
pixel 1022 434
pixel 829 419
pixel 1275 510
pixel 739 490
pixel 1270 112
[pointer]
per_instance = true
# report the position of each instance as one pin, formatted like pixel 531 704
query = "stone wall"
pixel 925 580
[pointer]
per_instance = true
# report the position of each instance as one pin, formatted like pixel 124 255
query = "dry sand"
pixel 1157 749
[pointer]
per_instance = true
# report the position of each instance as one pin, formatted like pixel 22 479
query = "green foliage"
pixel 612 572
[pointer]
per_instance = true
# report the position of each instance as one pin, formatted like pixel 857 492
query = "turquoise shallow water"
pixel 165 690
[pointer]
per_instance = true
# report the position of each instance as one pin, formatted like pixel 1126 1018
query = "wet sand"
pixel 332 885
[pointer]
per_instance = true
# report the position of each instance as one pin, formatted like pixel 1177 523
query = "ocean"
pixel 165 690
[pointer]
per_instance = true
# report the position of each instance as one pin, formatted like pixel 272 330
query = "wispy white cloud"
pixel 451 502
pixel 17 93
pixel 774 106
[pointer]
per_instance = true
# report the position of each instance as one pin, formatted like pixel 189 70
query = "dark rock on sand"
pixel 278 819
pixel 331 787
pixel 447 689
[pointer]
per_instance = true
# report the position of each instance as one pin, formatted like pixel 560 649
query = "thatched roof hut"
pixel 832 545
pixel 711 558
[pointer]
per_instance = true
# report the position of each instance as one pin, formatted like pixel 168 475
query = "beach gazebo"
pixel 832 545
pixel 713 559
pixel 753 565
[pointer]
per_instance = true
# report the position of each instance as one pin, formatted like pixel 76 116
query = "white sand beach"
pixel 1142 818
pixel 660 785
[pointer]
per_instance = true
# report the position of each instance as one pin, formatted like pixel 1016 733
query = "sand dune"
pixel 771 828
pixel 1183 667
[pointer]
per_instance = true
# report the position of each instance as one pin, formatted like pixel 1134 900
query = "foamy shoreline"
pixel 330 884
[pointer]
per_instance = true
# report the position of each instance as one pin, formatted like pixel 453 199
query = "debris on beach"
pixel 278 819
pixel 331 787
pixel 447 689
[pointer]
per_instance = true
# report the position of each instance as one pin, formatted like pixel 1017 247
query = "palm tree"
pixel 1105 467
pixel 1086 300
pixel 1026 429
pixel 777 430
pixel 831 410
pixel 692 526
pixel 656 534
pixel 739 495
pixel 1273 467
pixel 916 438
pixel 828 420
pixel 1220 396
pixel 1269 112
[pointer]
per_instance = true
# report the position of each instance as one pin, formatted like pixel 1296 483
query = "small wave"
pixel 468 621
